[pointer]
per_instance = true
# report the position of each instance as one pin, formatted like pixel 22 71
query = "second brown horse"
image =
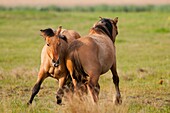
pixel 93 55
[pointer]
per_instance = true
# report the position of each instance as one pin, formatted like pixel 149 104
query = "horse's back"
pixel 74 34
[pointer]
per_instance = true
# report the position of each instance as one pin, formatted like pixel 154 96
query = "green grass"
pixel 143 60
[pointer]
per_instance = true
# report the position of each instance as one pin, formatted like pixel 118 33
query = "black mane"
pixel 106 27
pixel 63 37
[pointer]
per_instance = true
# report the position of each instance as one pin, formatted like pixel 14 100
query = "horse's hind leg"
pixel 72 73
pixel 116 82
pixel 41 76
pixel 93 87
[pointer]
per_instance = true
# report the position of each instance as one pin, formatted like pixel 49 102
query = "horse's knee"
pixel 41 77
pixel 35 90
pixel 115 75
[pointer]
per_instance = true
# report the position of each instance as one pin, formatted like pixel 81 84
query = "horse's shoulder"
pixel 44 55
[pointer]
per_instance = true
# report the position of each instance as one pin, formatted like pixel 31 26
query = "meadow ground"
pixel 143 61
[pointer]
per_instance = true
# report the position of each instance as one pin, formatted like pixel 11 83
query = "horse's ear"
pixel 42 33
pixel 115 20
pixel 100 17
pixel 47 32
pixel 58 30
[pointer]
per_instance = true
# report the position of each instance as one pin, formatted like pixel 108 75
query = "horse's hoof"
pixel 29 103
pixel 118 101
pixel 59 102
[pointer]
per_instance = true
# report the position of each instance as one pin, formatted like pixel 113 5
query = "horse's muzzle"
pixel 55 63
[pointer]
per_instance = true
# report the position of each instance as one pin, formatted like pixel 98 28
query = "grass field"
pixel 143 60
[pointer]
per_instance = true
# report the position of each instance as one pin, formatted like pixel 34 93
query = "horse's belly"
pixel 106 66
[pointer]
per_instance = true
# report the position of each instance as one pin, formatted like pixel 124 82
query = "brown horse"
pixel 53 59
pixel 93 55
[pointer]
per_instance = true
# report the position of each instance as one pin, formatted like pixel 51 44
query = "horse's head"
pixel 53 43
pixel 107 26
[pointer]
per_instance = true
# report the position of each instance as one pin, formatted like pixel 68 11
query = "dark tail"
pixel 78 73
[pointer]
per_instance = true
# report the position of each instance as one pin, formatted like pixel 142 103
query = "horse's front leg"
pixel 41 76
pixel 60 91
pixel 115 78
